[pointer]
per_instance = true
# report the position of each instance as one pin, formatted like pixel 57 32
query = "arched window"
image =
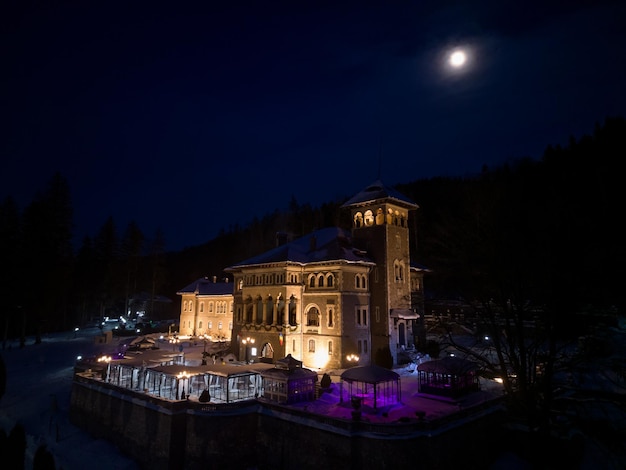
pixel 311 345
pixel 292 310
pixel 380 217
pixel 259 310
pixel 329 280
pixel 320 281
pixel 369 218
pixel 312 281
pixel 358 220
pixel 312 317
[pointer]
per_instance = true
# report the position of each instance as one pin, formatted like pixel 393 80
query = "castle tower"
pixel 380 227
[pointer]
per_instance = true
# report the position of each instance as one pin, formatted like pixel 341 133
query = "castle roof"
pixel 205 286
pixel 378 191
pixel 327 244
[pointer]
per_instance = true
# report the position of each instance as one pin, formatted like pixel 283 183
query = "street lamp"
pixel 107 360
pixel 246 342
pixel 182 376
pixel 352 359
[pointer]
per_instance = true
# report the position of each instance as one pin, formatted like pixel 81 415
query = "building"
pixel 207 309
pixel 334 298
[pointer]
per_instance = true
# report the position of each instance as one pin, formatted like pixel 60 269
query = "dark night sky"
pixel 193 116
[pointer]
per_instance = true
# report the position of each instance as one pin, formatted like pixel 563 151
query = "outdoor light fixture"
pixel 181 376
pixel 352 358
pixel 246 341
pixel 107 360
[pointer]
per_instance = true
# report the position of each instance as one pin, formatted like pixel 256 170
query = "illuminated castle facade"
pixel 333 298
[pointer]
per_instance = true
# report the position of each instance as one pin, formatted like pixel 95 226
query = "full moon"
pixel 457 59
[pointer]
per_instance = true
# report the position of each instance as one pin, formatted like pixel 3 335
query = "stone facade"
pixel 206 309
pixel 332 299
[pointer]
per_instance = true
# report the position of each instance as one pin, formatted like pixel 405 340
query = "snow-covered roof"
pixel 370 374
pixel 205 286
pixel 327 244
pixel 449 365
pixel 376 191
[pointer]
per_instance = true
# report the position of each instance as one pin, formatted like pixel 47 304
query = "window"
pixel 330 317
pixel 358 220
pixel 199 324
pixel 330 348
pixel 398 268
pixel 380 217
pixel 311 345
pixel 219 326
pixel 329 280
pixel 201 307
pixel 210 324
pixel 361 316
pixel 320 281
pixel 210 307
pixel 369 218
pixel 312 317
pixel 312 281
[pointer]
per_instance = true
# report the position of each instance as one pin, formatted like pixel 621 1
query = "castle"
pixel 333 298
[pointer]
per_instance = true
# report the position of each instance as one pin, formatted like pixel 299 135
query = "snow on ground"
pixel 39 380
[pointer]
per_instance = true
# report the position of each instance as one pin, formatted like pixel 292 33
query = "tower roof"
pixel 378 191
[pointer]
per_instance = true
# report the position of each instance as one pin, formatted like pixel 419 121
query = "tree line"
pixel 545 231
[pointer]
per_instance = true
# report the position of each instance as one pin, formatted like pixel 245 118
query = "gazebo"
pixel 371 385
pixel 448 377
pixel 288 382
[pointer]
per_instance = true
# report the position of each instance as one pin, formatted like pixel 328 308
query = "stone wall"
pixel 163 434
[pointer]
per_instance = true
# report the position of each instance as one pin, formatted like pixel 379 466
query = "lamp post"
pixel 352 359
pixel 246 341
pixel 182 376
pixel 107 360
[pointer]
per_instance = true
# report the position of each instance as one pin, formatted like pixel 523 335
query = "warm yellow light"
pixel 320 360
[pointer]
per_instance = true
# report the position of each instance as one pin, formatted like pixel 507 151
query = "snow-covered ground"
pixel 39 380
